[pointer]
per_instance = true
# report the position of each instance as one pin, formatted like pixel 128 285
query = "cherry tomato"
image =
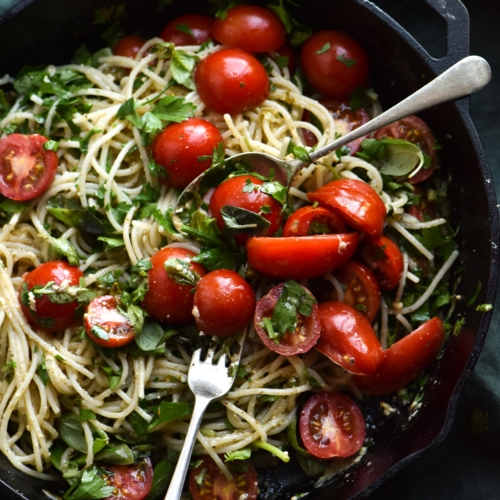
pixel 361 289
pixel 231 192
pixel 348 339
pixel 230 81
pixel 129 46
pixel 180 145
pixel 309 220
pixel 190 29
pixel 26 169
pixel 300 257
pixel 285 51
pixel 297 342
pixel 405 359
pixel 214 484
pixel 223 303
pixel 165 299
pixel 331 425
pixel 132 482
pixel 385 259
pixel 425 210
pixel 250 28
pixel 415 130
pixel 334 63
pixel 103 315
pixel 356 203
pixel 45 314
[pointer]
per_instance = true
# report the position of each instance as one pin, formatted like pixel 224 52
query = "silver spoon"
pixel 463 78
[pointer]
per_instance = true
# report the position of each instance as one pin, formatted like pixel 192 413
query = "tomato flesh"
pixel 129 46
pixel 309 220
pixel 190 29
pixel 132 482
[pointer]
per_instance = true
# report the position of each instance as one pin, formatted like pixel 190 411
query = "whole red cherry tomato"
pixel 230 81
pixel 415 130
pixel 131 482
pixel 331 425
pixel 301 340
pixel 26 169
pixel 129 46
pixel 190 29
pixel 348 339
pixel 223 303
pixel 309 220
pixel 42 312
pixel 250 28
pixel 165 299
pixel 106 325
pixel 180 145
pixel 405 359
pixel 215 485
pixel 300 257
pixel 356 203
pixel 334 63
pixel 385 259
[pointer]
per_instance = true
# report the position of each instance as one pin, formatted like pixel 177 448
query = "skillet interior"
pixel 399 66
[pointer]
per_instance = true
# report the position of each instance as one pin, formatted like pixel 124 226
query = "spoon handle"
pixel 463 78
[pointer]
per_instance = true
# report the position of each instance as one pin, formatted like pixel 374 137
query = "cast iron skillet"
pixel 49 31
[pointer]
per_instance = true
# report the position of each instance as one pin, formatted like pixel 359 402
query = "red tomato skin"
pixel 355 202
pixel 63 314
pixel 132 482
pixel 300 257
pixel 230 81
pixel 178 147
pixel 290 343
pixel 224 303
pixel 299 223
pixel 326 72
pixel 129 46
pixel 26 169
pixel 166 300
pixel 405 359
pixel 389 270
pixel 348 339
pixel 335 415
pixel 250 28
pixel 199 24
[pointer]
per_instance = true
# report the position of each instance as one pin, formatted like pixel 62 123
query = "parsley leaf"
pixel 64 248
pixel 91 487
pixel 348 62
pixel 323 49
pixel 174 109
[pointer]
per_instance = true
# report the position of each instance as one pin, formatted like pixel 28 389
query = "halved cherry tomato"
pixel 26 169
pixel 42 312
pixel 230 81
pixel 348 339
pixel 132 482
pixel 207 482
pixel 415 130
pixel 361 289
pixel 179 147
pixel 103 319
pixel 334 63
pixel 405 359
pixel 385 259
pixel 331 425
pixel 300 257
pixel 223 303
pixel 309 220
pixel 190 29
pixel 250 28
pixel 165 299
pixel 356 203
pixel 129 46
pixel 297 342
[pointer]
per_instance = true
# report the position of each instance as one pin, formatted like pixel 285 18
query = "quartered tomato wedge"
pixel 132 482
pixel 190 29
pixel 309 220
pixel 348 339
pixel 356 203
pixel 300 257
pixel 405 359
pixel 207 482
pixel 26 169
pixel 331 425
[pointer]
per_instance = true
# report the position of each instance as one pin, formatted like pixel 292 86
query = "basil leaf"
pixel 243 454
pixel 348 62
pixel 99 332
pixel 219 258
pixel 113 377
pixel 169 411
pixel 179 270
pixel 312 466
pixel 174 109
pixel 151 336
pixel 119 454
pixel 101 440
pixel 401 157
pixel 71 432
pixel 65 248
pixel 91 487
pixel 243 220
pixel 42 372
pixel 111 242
pixel 12 206
pixel 323 49
pixel 86 414
pixel 56 453
pixel 162 475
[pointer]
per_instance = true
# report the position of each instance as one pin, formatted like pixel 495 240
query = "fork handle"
pixel 177 482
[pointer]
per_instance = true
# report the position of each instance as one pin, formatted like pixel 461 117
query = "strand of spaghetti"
pixel 410 238
pixel 244 415
pixel 269 392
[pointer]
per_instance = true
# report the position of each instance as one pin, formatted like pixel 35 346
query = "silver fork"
pixel 209 382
